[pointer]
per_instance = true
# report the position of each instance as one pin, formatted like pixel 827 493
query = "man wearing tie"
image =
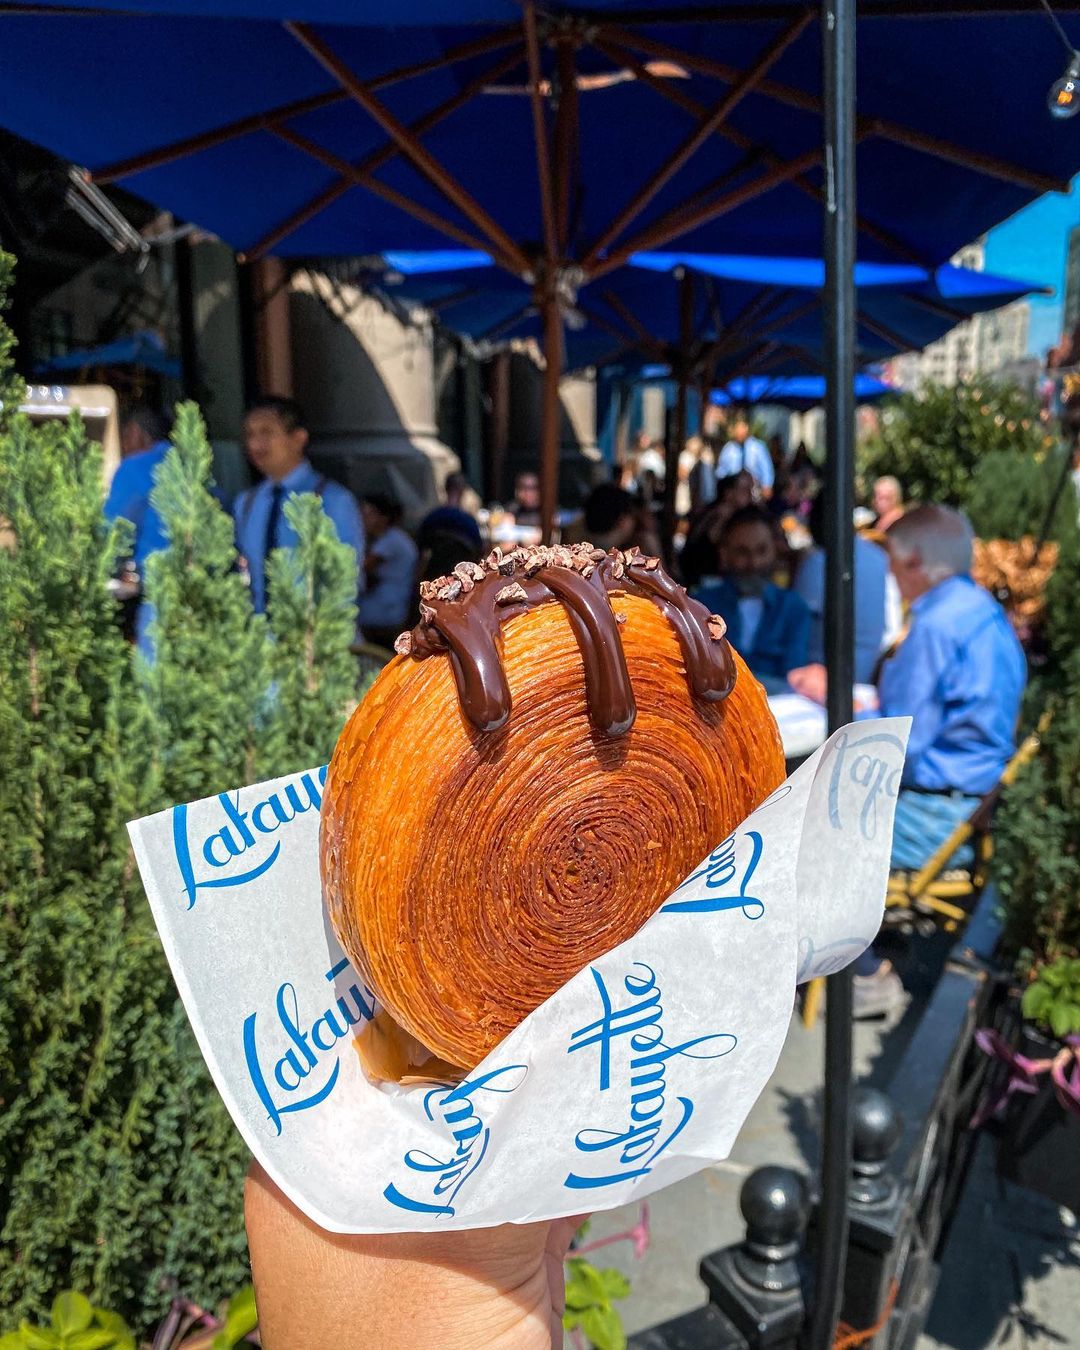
pixel 276 440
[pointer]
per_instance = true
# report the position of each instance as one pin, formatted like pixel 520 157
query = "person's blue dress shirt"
pixel 752 455
pixel 960 675
pixel 780 640
pixel 129 499
pixel 871 571
pixel 252 509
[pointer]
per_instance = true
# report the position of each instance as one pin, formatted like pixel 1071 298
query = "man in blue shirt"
pixel 144 442
pixel 768 627
pixel 959 675
pixel 744 451
pixel 275 439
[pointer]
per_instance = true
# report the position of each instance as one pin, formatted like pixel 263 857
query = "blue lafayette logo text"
pixel 311 1053
pixel 735 860
pixel 436 1180
pixel 859 760
pixel 633 1058
pixel 242 834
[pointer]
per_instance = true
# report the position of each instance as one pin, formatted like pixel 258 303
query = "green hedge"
pixel 120 1171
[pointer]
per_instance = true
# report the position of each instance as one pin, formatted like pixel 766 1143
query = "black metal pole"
pixel 185 310
pixel 838 70
pixel 1055 498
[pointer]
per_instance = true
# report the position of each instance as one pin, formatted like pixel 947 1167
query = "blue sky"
pixel 1033 245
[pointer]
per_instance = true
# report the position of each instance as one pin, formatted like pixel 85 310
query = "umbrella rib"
pixel 351 176
pixel 777 322
pixel 271 118
pixel 767 330
pixel 620 56
pixel 880 330
pixel 888 130
pixel 746 82
pixel 498 329
pixel 646 341
pixel 375 160
pixel 939 307
pixel 421 158
pixel 449 301
pixel 772 352
pixel 543 159
pixel 623 310
pixel 757 309
pixel 679 222
pixel 725 373
pixel 736 336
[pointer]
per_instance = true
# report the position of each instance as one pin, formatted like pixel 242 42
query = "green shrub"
pixel 935 441
pixel 120 1171
pixel 1011 492
pixel 1037 825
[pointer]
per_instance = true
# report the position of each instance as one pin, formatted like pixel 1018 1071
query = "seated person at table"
pixel 960 675
pixel 871 573
pixel 888 502
pixel 769 627
pixel 614 518
pixel 453 519
pixel 525 508
pixel 390 568
pixel 698 560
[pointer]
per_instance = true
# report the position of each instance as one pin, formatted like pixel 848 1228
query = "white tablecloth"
pixel 803 723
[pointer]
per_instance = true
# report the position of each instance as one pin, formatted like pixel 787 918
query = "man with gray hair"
pixel 959 674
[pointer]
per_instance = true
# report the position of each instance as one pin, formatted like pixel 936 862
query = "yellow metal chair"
pixel 933 892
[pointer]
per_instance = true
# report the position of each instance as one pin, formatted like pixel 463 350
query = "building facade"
pixel 987 344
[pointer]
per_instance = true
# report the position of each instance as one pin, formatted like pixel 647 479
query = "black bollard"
pixel 758 1285
pixel 877 1129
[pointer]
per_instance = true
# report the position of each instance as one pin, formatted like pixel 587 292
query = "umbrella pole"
pixel 551 415
pixel 838 56
pixel 677 440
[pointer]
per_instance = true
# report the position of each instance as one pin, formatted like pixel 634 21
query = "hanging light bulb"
pixel 1063 100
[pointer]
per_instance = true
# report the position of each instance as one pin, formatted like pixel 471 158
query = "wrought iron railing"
pixel 911 1151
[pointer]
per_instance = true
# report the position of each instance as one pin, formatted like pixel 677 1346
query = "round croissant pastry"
pixel 563 738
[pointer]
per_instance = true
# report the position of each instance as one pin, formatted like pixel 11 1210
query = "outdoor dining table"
pixel 804 724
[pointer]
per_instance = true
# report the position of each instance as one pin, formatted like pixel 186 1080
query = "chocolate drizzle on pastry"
pixel 461 614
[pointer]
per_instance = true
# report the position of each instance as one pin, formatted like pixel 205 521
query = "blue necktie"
pixel 277 500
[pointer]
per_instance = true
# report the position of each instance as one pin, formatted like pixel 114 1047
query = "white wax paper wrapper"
pixel 637 1072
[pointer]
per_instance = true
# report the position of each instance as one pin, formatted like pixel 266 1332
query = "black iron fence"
pixel 912 1146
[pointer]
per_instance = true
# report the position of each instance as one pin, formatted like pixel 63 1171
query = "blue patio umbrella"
pixel 748 313
pixel 794 391
pixel 144 349
pixel 557 141
pixel 251 118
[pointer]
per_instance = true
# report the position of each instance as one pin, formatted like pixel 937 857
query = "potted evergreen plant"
pixel 1037 870
pixel 1040 1138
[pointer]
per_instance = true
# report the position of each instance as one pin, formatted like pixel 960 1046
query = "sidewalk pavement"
pixel 1011 1269
pixel 697 1215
